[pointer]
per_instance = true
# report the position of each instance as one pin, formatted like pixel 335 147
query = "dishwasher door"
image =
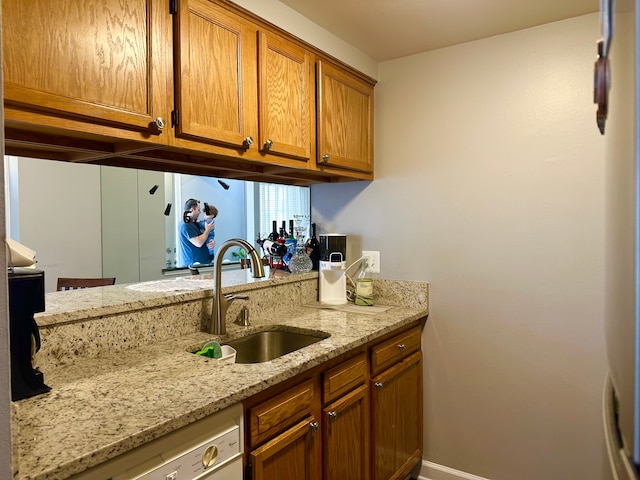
pixel 210 448
pixel 228 471
pixel 219 458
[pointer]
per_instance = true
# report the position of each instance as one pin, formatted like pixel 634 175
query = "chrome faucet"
pixel 220 302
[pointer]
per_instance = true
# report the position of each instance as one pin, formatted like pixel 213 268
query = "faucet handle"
pixel 230 297
pixel 243 318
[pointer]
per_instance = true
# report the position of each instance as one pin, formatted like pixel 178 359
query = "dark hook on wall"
pixel 224 185
pixel 167 210
pixel 153 189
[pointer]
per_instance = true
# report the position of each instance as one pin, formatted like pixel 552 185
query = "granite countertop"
pixel 96 302
pixel 101 407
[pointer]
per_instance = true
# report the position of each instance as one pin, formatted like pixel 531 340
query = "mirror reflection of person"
pixel 213 213
pixel 192 236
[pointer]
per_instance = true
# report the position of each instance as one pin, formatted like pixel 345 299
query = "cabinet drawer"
pixel 395 349
pixel 343 378
pixel 277 414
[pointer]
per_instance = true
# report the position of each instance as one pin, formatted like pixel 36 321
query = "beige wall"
pixel 489 184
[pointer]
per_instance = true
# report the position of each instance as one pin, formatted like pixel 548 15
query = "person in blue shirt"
pixel 192 236
pixel 209 218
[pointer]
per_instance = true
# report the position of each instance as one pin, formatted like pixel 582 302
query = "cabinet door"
pixel 100 60
pixel 291 455
pixel 215 75
pixel 285 81
pixel 345 119
pixel 396 403
pixel 346 437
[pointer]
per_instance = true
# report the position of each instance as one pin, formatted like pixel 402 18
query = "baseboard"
pixel 433 471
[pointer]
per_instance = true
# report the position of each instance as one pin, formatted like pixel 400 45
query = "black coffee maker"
pixel 26 297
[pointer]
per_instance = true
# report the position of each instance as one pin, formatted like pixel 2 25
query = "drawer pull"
pixel 315 426
pixel 326 157
pixel 248 141
pixel 378 385
pixel 332 415
pixel 402 347
pixel 268 145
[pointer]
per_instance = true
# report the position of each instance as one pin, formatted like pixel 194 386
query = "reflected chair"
pixel 75 283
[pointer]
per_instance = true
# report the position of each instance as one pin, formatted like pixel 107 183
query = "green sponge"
pixel 211 350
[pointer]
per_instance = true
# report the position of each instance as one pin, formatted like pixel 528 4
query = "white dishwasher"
pixel 209 449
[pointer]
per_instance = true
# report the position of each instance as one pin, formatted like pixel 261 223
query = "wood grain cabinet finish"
pixel 239 86
pixel 395 349
pixel 286 121
pixel 345 119
pixel 195 86
pixel 215 75
pixel 273 416
pixel 396 405
pixel 292 454
pixel 101 61
pixel 345 421
pixel 346 436
pixel 343 378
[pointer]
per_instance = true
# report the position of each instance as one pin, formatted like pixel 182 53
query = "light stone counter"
pixel 137 387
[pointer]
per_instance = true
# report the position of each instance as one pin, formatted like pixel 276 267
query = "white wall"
pixel 133 224
pixel 60 217
pixel 489 185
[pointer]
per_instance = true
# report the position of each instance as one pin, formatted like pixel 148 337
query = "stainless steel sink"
pixel 267 345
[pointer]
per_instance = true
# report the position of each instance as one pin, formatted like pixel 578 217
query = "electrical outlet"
pixel 373 261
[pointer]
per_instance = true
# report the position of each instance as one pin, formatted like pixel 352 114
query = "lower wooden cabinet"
pixel 345 435
pixel 396 404
pixel 292 454
pixel 355 419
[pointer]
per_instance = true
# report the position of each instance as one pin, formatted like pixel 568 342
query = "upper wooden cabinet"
pixel 215 75
pixel 97 60
pixel 345 119
pixel 240 86
pixel 194 86
pixel 286 95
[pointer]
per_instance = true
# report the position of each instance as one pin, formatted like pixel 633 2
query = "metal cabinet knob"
pixel 332 415
pixel 268 144
pixel 315 426
pixel 402 347
pixel 247 142
pixel 378 385
pixel 326 157
pixel 158 123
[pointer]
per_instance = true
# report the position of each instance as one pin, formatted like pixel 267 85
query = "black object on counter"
pixel 26 297
pixel 313 248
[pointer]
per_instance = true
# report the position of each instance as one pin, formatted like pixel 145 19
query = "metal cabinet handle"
pixel 326 157
pixel 268 144
pixel 315 426
pixel 402 347
pixel 332 415
pixel 158 123
pixel 247 142
pixel 378 385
